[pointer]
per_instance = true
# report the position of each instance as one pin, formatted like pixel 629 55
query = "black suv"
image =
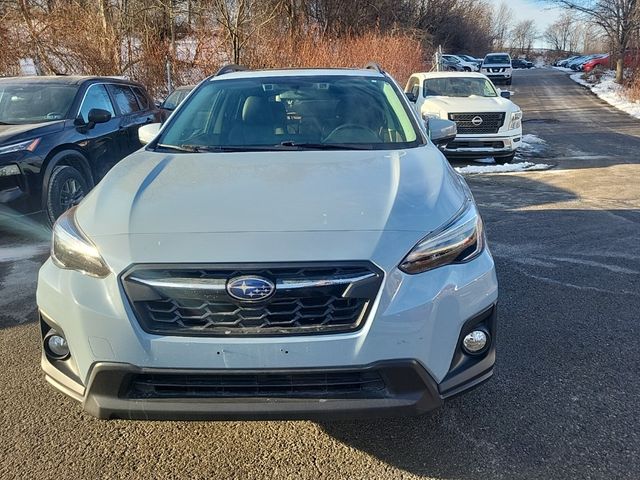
pixel 60 135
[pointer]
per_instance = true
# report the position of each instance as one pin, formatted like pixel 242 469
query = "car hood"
pixel 467 104
pixel 303 191
pixel 16 133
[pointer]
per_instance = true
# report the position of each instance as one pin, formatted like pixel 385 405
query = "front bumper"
pixel 405 388
pixel 415 318
pixel 481 146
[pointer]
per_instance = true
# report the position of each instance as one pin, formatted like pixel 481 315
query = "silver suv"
pixel 289 245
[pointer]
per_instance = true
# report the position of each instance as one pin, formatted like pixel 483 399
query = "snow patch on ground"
pixel 531 145
pixel 611 92
pixel 564 69
pixel 506 168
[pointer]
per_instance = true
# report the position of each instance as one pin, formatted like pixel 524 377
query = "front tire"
pixel 508 82
pixel 504 160
pixel 66 188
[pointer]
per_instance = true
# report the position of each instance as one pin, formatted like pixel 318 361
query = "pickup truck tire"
pixel 503 160
pixel 67 186
pixel 509 81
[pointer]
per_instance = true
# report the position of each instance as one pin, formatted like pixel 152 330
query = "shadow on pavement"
pixel 563 401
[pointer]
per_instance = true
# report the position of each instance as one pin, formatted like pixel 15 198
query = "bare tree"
pixel 618 18
pixel 523 36
pixel 502 23
pixel 558 34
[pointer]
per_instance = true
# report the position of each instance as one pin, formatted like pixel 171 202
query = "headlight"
pixel 9 170
pixel 29 145
pixel 428 115
pixel 458 242
pixel 516 120
pixel 72 250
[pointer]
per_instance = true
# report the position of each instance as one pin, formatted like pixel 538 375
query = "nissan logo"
pixel 477 121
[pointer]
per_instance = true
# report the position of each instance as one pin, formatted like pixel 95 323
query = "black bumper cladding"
pixel 386 388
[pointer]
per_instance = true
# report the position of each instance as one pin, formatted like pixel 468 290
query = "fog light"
pixel 56 346
pixel 475 342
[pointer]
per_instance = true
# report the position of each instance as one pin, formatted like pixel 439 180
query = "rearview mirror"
pixel 441 131
pixel 148 132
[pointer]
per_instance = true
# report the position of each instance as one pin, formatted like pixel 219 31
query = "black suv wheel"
pixel 67 187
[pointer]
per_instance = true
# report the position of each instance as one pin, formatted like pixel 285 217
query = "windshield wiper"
pixel 321 146
pixel 216 148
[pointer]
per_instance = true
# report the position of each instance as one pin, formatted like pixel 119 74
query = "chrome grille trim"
pixel 185 300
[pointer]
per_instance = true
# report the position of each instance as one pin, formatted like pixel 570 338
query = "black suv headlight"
pixel 459 241
pixel 72 250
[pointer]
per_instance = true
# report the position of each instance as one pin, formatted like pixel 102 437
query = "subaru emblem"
pixel 250 288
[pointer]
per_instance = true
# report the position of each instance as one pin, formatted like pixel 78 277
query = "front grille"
pixel 496 69
pixel 190 301
pixel 356 384
pixel 474 144
pixel 470 123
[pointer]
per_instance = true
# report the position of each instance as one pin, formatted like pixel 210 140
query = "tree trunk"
pixel 620 68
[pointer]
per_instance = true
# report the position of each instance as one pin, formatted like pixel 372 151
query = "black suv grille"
pixel 366 384
pixel 186 301
pixel 470 123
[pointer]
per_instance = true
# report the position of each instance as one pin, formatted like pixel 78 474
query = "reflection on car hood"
pixel 15 133
pixel 468 104
pixel 292 191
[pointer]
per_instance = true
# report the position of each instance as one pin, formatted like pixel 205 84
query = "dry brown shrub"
pixel 399 53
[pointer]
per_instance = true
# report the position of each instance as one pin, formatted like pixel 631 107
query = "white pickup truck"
pixel 489 124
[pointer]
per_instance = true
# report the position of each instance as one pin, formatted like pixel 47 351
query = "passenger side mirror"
pixel 148 132
pixel 441 131
pixel 505 93
pixel 98 115
pixel 412 97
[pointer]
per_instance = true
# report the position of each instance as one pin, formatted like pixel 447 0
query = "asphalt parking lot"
pixel 564 400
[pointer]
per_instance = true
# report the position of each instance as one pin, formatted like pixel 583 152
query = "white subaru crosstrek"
pixel 290 244
pixel 488 123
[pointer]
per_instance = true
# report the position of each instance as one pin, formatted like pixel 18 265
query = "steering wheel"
pixel 352 126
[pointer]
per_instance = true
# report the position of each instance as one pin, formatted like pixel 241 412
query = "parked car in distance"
pixel 488 123
pixel 563 62
pixel 521 63
pixel 467 66
pixel 60 135
pixel 497 66
pixel 289 245
pixel 451 65
pixel 174 99
pixel 476 61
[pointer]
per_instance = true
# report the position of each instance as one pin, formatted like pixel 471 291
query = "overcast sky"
pixel 537 10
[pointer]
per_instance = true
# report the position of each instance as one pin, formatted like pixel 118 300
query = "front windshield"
pixel 34 103
pixel 316 112
pixel 459 87
pixel 497 59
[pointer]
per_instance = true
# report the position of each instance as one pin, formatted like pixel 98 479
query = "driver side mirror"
pixel 412 97
pixel 505 93
pixel 95 116
pixel 98 115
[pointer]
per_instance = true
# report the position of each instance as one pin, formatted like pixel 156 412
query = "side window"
pixel 125 99
pixel 96 97
pixel 143 100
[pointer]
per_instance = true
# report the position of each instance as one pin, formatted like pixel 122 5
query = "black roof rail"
pixel 230 68
pixel 374 66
